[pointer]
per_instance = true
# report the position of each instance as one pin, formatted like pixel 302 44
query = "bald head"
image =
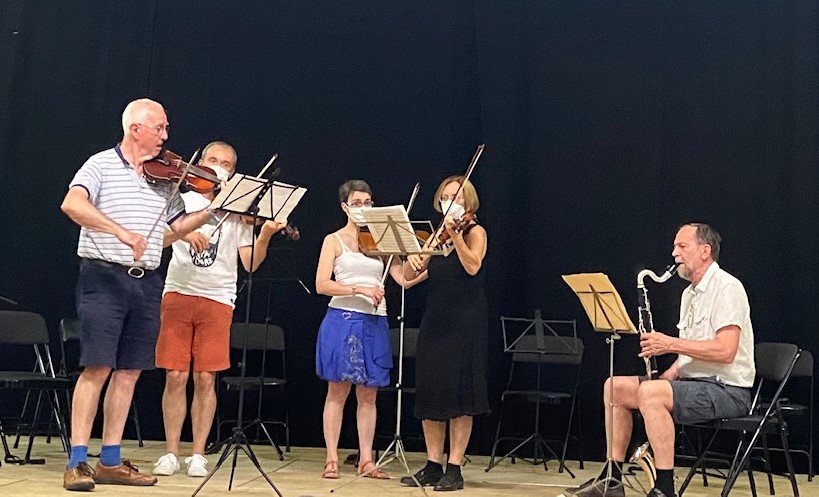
pixel 141 111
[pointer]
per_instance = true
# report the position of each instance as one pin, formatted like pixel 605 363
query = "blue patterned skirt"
pixel 354 347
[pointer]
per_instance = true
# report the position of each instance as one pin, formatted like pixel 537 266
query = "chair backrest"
pixel 260 337
pixel 804 366
pixel 23 328
pixel 70 333
pixel 28 328
pixel 410 341
pixel 70 330
pixel 549 350
pixel 775 361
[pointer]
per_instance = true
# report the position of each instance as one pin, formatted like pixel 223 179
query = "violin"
pixel 290 231
pixel 442 237
pixel 168 166
pixel 366 242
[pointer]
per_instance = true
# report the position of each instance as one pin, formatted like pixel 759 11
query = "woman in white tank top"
pixel 353 346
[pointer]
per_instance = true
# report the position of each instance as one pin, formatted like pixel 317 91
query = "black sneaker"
pixel 424 477
pixel 449 482
pixel 597 488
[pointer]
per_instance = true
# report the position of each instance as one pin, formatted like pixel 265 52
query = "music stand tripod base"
pixel 239 440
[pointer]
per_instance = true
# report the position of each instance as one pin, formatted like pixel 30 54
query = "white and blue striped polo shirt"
pixel 130 201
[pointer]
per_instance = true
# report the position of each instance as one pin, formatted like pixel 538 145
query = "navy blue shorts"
pixel 119 315
pixel 354 347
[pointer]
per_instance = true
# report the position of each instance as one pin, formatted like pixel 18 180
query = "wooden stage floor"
pixel 299 475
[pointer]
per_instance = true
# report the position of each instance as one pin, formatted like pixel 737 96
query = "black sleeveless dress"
pixel 450 366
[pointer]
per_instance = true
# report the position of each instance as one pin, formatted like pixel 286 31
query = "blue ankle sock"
pixel 79 453
pixel 109 455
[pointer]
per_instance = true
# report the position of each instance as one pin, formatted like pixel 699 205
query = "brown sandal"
pixel 331 471
pixel 368 469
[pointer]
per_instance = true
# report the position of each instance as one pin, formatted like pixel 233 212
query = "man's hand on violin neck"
pixel 271 227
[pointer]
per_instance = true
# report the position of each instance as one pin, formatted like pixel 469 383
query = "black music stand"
pixel 216 446
pixel 394 236
pixel 249 196
pixel 607 314
pixel 539 325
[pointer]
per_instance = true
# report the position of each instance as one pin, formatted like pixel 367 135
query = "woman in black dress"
pixel 452 345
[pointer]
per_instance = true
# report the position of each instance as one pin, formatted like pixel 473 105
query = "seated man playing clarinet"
pixel 711 378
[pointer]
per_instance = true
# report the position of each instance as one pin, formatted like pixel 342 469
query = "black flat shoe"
pixel 426 479
pixel 656 492
pixel 449 482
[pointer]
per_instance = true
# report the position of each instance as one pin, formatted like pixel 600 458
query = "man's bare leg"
pixel 203 408
pixel 174 408
pixel 656 399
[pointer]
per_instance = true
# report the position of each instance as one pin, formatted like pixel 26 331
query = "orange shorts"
pixel 193 327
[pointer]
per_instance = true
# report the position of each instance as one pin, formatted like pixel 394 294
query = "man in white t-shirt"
pixel 711 378
pixel 197 311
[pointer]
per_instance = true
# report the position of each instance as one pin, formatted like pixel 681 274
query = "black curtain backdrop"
pixel 607 125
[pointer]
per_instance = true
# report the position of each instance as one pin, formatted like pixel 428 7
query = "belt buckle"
pixel 136 272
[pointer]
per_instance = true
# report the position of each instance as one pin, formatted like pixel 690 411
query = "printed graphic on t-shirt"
pixel 207 257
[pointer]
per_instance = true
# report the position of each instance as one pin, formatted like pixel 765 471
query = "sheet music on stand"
pixel 393 231
pixel 241 190
pixel 602 303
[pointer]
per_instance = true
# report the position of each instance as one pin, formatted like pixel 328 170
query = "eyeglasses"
pixel 359 203
pixel 444 198
pixel 158 129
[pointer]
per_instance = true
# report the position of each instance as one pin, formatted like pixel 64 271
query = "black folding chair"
pixel 798 405
pixel 28 329
pixel 262 338
pixel 548 356
pixel 774 364
pixel 389 394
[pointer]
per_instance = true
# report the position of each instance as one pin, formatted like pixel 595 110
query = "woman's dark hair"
pixel 353 185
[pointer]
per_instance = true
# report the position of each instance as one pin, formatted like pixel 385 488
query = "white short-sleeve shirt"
pixel 211 274
pixel 718 300
pixel 129 200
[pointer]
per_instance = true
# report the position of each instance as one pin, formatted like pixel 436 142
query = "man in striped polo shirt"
pixel 123 219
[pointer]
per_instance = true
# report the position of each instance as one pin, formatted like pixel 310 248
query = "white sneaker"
pixel 166 465
pixel 197 465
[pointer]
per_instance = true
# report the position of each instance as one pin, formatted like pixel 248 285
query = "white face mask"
pixel 356 214
pixel 453 209
pixel 221 173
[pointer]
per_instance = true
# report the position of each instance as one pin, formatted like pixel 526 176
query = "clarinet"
pixel 642 456
pixel 646 320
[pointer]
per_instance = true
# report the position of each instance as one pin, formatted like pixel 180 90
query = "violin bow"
pixel 174 189
pixel 269 163
pixel 472 164
pixel 409 208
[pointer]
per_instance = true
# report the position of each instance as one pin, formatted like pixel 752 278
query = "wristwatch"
pixel 355 289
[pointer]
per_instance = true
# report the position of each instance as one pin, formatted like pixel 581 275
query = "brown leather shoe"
pixel 124 473
pixel 80 479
